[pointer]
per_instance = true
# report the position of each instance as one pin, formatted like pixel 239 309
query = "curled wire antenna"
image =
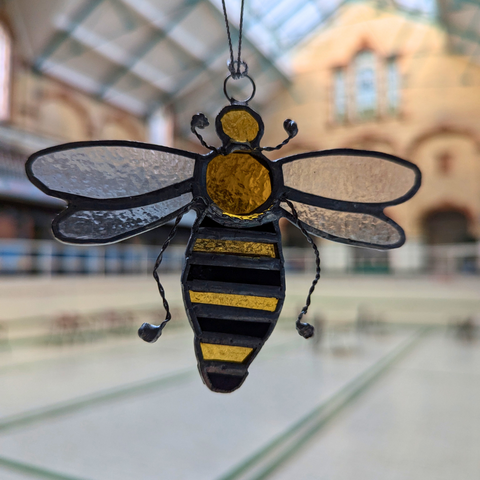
pixel 290 126
pixel 305 329
pixel 200 121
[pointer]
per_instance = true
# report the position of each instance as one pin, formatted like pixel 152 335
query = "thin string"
pixel 231 67
pixel 227 26
pixel 305 329
pixel 240 36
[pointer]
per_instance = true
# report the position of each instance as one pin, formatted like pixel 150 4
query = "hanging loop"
pixel 233 100
pixel 238 69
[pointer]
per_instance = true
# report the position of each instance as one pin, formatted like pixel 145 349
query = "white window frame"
pixel 393 85
pixel 365 71
pixel 340 94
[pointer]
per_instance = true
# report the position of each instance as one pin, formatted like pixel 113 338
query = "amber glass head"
pixel 239 124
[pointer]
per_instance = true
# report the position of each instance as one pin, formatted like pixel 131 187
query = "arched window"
pixel 340 95
pixel 365 84
pixel 393 85
pixel 5 56
pixel 368 87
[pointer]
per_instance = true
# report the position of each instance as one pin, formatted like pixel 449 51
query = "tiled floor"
pixel 176 430
pixel 420 422
pixel 120 409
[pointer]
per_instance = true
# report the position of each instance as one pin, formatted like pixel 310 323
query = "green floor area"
pixel 372 399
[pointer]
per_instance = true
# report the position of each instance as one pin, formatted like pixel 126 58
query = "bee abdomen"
pixel 234 288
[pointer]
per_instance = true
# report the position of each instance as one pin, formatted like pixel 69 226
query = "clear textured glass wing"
pixel 105 170
pixel 107 226
pixel 352 176
pixel 348 227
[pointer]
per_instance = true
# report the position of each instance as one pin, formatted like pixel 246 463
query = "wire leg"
pixel 148 332
pixel 305 329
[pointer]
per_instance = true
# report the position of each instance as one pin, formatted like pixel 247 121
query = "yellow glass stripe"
pixel 230 300
pixel 253 249
pixel 224 353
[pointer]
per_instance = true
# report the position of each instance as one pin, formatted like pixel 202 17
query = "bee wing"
pixel 340 194
pixel 108 169
pixel 115 189
pixel 374 230
pixel 102 226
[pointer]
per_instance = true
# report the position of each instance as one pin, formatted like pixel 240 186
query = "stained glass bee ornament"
pixel 233 281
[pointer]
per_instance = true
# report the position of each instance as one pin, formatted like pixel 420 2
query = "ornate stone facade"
pixel 435 122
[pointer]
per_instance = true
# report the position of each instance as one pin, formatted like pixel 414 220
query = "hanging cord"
pixel 305 329
pixel 240 36
pixel 227 26
pixel 235 73
pixel 148 332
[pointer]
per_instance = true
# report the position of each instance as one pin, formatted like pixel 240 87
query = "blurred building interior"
pixel 387 389
pixel 401 77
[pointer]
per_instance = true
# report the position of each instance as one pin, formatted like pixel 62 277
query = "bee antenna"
pixel 305 329
pixel 199 120
pixel 290 126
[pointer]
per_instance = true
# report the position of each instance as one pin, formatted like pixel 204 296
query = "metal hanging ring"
pixel 233 100
pixel 238 69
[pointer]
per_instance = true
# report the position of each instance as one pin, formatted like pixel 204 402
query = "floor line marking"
pixel 107 347
pixel 117 393
pixel 279 449
pixel 38 472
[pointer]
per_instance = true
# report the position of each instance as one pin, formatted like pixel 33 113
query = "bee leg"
pixel 150 333
pixel 305 329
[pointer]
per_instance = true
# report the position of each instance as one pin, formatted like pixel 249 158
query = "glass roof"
pixel 281 24
pixel 143 54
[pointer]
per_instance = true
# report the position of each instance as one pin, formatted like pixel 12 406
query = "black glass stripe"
pixel 233 313
pixel 266 227
pixel 234 327
pixel 224 383
pixel 245 276
pixel 235 261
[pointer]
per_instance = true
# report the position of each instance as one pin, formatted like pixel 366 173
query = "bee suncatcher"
pixel 233 281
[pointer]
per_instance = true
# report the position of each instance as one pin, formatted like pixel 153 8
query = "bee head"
pixel 239 124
